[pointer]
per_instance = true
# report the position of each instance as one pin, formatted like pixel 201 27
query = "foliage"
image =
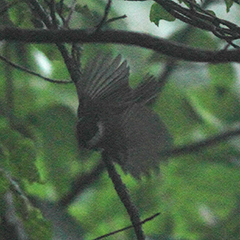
pixel 197 194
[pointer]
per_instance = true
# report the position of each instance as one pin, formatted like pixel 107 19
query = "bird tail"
pixel 146 138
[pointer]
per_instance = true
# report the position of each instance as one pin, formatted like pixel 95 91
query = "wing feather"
pixel 146 137
pixel 114 81
pixel 98 67
pixel 105 79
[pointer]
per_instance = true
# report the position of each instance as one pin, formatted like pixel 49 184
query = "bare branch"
pixel 126 228
pixel 38 9
pixel 198 146
pixel 160 45
pixel 52 6
pixel 69 17
pixel 124 196
pixel 201 18
pixel 116 18
pixel 70 63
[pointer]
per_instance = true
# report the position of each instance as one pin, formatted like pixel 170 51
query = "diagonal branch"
pixel 70 63
pixel 124 196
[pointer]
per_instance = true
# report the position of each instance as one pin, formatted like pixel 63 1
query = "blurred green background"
pixel 196 194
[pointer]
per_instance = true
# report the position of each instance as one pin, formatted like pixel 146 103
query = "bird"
pixel 114 118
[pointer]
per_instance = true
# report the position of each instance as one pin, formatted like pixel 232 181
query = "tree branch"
pixel 160 45
pixel 31 72
pixel 124 196
pixel 198 146
pixel 70 63
pixel 82 182
pixel 200 18
pixel 104 18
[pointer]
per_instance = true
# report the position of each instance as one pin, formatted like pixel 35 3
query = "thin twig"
pixel 169 67
pixel 32 73
pixel 68 19
pixel 104 18
pixel 198 146
pixel 76 54
pixel 37 8
pixel 167 47
pixel 59 10
pixel 116 18
pixel 69 62
pixel 61 4
pixel 126 228
pixel 52 6
pixel 15 186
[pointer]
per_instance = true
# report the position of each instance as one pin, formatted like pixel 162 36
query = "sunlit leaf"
pixel 228 3
pixel 158 13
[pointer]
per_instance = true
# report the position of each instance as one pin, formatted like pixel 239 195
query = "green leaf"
pixel 7 135
pixel 214 186
pixel 4 183
pixel 222 75
pixel 177 112
pixel 59 146
pixel 216 104
pixel 4 156
pixel 157 13
pixel 200 39
pixel 42 227
pixel 20 15
pixel 23 158
pixel 228 3
pixel 18 153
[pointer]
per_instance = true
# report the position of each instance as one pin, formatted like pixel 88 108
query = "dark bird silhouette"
pixel 113 117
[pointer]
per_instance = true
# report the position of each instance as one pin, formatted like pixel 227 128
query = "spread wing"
pixel 105 80
pixel 146 90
